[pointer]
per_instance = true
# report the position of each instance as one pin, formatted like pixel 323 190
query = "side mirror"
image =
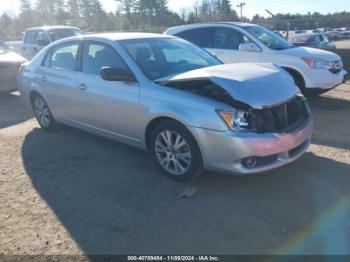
pixel 116 74
pixel 249 47
pixel 42 42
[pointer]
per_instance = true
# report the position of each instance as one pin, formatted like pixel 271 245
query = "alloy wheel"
pixel 173 152
pixel 42 112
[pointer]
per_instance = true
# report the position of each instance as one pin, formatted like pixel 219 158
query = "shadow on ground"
pixel 12 111
pixel 328 103
pixel 331 121
pixel 112 200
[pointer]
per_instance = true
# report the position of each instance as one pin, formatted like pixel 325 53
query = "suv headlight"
pixel 238 120
pixel 317 63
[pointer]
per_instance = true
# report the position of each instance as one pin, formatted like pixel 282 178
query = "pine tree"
pixel 226 13
pixel 162 7
pixel 25 6
pixel 99 16
pixel 126 6
pixel 86 8
pixel 47 11
pixel 73 9
pixel 61 12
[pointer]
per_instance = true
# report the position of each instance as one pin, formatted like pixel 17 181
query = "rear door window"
pixel 42 35
pixel 202 37
pixel 30 37
pixel 65 56
pixel 227 38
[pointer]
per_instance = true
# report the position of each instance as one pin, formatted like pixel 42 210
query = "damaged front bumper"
pixel 248 152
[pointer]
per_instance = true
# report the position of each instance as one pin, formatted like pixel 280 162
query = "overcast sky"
pixel 252 6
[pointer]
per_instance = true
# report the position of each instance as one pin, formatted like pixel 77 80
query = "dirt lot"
pixel 343 44
pixel 69 192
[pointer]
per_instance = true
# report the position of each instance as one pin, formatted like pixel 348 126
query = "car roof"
pixel 123 36
pixel 307 34
pixel 180 28
pixel 114 37
pixel 46 28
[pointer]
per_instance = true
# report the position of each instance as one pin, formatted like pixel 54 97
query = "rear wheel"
pixel 176 152
pixel 42 113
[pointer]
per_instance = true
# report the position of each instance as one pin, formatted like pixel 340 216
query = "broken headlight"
pixel 238 120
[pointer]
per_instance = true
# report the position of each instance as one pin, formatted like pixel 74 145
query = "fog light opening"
pixel 249 162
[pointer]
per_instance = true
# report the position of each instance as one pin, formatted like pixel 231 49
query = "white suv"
pixel 313 70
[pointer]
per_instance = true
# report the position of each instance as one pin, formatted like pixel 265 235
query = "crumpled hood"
pixel 258 85
pixel 310 52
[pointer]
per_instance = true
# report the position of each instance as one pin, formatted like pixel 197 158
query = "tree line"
pixel 131 15
pixel 282 22
pixel 147 15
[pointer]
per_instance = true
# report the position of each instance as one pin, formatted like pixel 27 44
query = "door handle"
pixel 82 87
pixel 43 78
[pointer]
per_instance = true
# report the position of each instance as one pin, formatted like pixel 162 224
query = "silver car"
pixel 167 96
pixel 10 62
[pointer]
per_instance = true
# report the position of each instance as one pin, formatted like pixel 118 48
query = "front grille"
pixel 282 118
pixel 337 66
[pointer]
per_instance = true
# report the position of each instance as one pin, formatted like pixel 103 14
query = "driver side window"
pixel 97 55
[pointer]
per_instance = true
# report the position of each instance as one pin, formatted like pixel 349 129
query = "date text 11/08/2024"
pixel 173 258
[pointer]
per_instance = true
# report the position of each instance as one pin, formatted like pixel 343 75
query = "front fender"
pixel 188 109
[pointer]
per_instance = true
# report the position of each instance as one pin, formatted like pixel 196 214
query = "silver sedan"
pixel 171 98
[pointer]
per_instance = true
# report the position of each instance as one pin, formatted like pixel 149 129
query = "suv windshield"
pixel 302 38
pixel 161 57
pixel 3 47
pixel 59 33
pixel 269 38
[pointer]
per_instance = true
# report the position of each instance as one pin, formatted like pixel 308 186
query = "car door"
pixel 227 43
pixel 108 106
pixel 29 43
pixel 58 80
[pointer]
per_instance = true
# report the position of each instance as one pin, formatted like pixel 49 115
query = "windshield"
pixel 302 38
pixel 161 57
pixel 326 39
pixel 3 47
pixel 269 38
pixel 59 33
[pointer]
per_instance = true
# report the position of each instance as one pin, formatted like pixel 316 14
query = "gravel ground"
pixel 345 44
pixel 69 192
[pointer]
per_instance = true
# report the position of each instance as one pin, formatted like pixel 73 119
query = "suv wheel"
pixel 176 152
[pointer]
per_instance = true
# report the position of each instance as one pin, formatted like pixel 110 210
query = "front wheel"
pixel 42 113
pixel 176 152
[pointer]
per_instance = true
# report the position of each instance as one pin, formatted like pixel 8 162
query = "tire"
pixel 180 159
pixel 42 113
